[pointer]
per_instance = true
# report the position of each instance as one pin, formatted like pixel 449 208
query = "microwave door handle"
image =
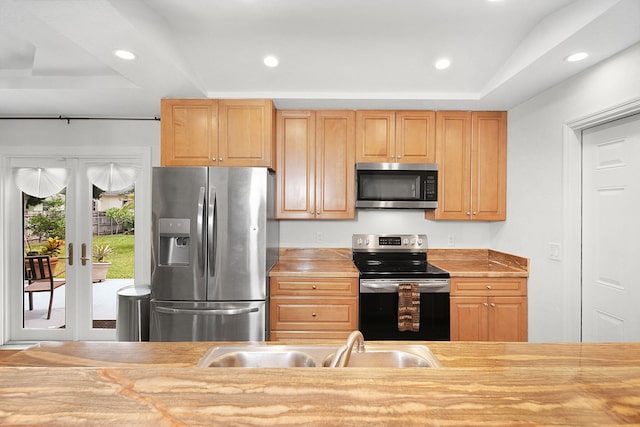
pixel 424 189
pixel 208 312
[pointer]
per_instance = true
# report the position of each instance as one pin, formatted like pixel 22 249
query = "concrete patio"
pixel 104 304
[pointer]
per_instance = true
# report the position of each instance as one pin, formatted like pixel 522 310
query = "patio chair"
pixel 40 278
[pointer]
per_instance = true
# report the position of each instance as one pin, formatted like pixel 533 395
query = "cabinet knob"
pixel 485 304
pixel 492 305
pixel 468 213
pixel 488 286
pixel 475 213
pixel 313 314
pixel 220 159
pixel 317 212
pixel 313 286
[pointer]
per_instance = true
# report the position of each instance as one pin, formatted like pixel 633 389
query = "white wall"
pixel 104 134
pixel 337 234
pixel 535 185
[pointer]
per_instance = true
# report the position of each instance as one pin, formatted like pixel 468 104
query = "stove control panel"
pixel 389 242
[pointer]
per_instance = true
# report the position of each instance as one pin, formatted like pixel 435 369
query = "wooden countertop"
pixel 336 262
pixel 479 263
pixel 314 262
pixel 493 384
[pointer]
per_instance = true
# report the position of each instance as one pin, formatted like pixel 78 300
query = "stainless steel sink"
pixel 265 356
pixel 397 356
pixel 293 356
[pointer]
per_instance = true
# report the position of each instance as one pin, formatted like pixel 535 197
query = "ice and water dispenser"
pixel 175 241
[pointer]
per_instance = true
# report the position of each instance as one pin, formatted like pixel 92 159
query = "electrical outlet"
pixel 554 251
pixel 319 236
pixel 451 241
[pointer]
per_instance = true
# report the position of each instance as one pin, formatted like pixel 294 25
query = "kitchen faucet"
pixel 341 358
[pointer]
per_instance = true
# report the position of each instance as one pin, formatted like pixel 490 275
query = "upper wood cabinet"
pixel 188 132
pixel 471 152
pixel 316 161
pixel 246 132
pixel 395 136
pixel 209 132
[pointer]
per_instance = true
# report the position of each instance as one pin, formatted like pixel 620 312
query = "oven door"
pixel 378 312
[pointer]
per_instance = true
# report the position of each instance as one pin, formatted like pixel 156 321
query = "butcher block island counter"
pixel 491 384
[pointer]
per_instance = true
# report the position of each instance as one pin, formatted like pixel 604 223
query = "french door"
pixel 63 200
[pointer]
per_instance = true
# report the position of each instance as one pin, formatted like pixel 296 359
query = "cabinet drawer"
pixel 311 336
pixel 489 286
pixel 314 313
pixel 296 286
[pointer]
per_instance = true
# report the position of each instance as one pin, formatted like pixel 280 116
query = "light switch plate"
pixel 554 251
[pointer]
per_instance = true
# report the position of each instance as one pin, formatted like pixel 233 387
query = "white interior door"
pixel 79 304
pixel 611 231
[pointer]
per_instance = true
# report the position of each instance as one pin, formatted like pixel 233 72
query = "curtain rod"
pixel 68 119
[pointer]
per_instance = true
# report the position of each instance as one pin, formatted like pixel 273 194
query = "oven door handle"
pixel 393 287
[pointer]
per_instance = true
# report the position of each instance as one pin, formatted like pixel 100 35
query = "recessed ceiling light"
pixel 579 56
pixel 442 64
pixel 271 61
pixel 124 54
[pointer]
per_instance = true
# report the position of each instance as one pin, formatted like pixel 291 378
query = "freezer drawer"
pixel 208 321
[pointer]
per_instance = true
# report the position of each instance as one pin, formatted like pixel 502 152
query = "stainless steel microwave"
pixel 397 185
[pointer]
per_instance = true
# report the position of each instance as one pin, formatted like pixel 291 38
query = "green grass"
pixel 122 256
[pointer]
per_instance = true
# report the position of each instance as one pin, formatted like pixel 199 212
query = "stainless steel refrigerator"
pixel 215 238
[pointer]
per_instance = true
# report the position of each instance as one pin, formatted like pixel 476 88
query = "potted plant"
pixel 53 247
pixel 100 265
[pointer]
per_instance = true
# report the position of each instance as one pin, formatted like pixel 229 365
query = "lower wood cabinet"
pixel 313 308
pixel 489 309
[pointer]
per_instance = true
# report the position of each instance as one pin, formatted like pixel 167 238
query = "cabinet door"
pixel 489 165
pixel 246 132
pixel 335 165
pixel 375 136
pixel 453 154
pixel 468 318
pixel 295 175
pixel 189 132
pixel 416 136
pixel 507 319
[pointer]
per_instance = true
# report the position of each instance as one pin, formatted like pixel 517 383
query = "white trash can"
pixel 133 313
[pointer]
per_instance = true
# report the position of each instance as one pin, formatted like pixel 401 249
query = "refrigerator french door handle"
pixel 211 231
pixel 211 312
pixel 200 225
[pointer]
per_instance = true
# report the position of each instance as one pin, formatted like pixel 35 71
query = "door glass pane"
pixel 44 231
pixel 112 252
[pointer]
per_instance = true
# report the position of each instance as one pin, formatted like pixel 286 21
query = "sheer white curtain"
pixel 112 177
pixel 40 182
